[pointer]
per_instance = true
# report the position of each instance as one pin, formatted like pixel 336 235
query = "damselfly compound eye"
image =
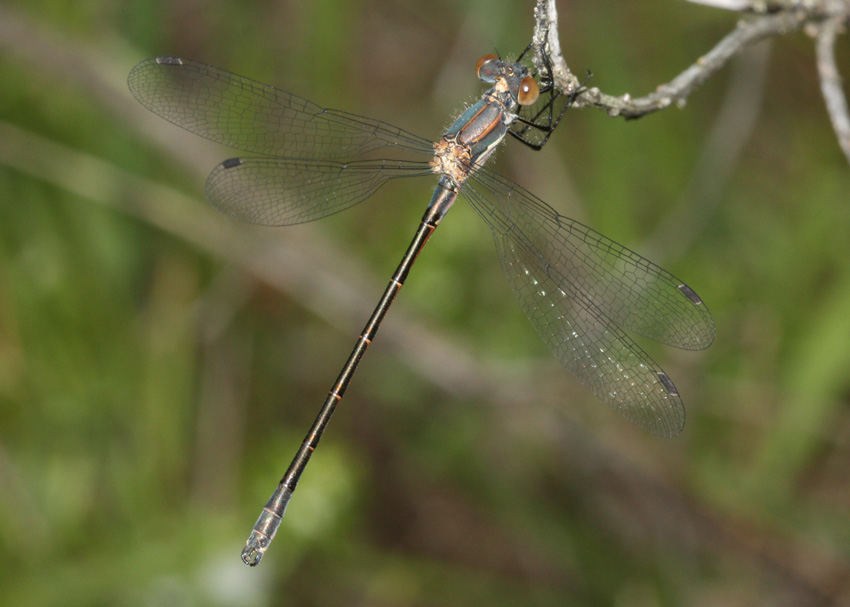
pixel 482 61
pixel 528 91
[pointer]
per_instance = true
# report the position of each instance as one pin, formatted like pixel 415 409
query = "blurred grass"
pixel 160 363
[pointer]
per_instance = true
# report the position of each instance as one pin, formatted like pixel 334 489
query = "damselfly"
pixel 580 290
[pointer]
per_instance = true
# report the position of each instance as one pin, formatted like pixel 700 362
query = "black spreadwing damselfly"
pixel 580 290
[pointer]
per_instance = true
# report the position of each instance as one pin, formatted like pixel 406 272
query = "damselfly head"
pixel 517 81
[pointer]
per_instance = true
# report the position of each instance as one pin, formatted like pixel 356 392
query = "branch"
pixel 830 82
pixel 775 18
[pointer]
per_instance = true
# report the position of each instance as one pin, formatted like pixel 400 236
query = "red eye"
pixel 482 61
pixel 528 91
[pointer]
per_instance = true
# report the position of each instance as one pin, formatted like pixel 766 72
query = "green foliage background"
pixel 159 363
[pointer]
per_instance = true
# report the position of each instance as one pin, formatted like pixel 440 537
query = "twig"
pixel 774 18
pixel 545 41
pixel 830 82
pixel 677 90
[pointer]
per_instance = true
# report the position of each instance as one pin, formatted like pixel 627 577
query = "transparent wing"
pixel 595 271
pixel 600 354
pixel 580 290
pixel 284 191
pixel 254 117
